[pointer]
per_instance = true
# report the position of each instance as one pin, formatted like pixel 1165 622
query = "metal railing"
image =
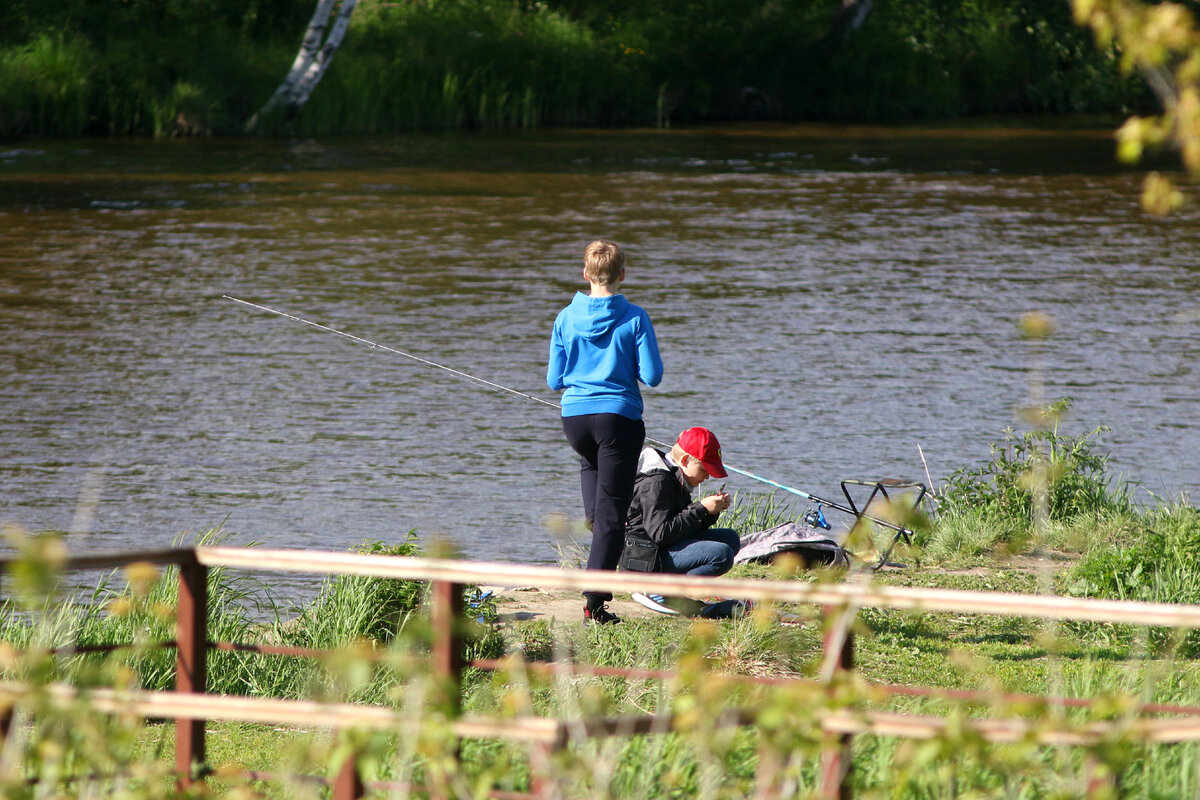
pixel 190 705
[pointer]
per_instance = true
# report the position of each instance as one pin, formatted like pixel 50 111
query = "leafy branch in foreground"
pixel 1161 41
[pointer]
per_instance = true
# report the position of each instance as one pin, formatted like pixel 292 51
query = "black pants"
pixel 608 446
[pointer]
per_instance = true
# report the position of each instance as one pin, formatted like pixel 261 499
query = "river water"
pixel 834 302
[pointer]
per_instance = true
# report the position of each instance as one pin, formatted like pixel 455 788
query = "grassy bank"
pixel 1042 515
pixel 112 67
pixel 982 653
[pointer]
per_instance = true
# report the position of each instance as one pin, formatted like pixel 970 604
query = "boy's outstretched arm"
pixel 557 364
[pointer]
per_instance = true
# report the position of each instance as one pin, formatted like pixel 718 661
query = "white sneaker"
pixel 654 602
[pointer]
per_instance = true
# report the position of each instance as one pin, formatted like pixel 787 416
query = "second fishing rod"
pixel 541 401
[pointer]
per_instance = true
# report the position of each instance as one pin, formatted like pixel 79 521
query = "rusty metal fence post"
pixel 449 657
pixel 542 785
pixel 839 657
pixel 1101 782
pixel 348 785
pixel 191 667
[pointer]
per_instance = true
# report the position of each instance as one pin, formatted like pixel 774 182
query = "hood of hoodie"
pixel 651 459
pixel 593 317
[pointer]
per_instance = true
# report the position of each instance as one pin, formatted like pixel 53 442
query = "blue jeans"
pixel 711 553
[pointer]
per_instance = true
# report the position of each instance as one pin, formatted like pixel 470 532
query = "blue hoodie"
pixel 600 348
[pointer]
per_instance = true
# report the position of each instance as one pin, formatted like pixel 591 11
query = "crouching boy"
pixel 666 530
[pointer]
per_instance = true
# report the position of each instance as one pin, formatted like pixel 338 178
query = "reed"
pixel 169 69
pixel 1070 469
pixel 44 85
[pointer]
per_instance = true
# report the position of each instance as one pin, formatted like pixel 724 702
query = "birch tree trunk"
pixel 315 56
pixel 854 13
pixel 848 18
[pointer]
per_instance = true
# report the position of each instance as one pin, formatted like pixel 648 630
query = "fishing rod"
pixel 535 399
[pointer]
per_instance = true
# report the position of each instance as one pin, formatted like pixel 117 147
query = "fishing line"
pixel 377 346
pixel 535 399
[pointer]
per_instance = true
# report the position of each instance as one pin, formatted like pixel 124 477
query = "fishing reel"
pixel 815 518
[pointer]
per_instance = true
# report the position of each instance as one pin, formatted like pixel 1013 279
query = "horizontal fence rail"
pixel 116 560
pixel 198 706
pixel 557 732
pixel 499 573
pixel 826 594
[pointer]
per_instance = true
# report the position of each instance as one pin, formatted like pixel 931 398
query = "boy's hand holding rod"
pixel 716 503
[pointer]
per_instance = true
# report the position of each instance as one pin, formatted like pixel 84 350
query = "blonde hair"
pixel 677 452
pixel 603 261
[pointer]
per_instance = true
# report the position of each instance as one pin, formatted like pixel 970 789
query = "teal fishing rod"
pixel 819 518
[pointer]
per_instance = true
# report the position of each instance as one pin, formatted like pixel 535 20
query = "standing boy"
pixel 601 346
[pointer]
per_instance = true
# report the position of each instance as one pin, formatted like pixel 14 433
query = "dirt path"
pixel 516 603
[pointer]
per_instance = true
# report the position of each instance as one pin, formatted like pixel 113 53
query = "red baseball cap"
pixel 702 444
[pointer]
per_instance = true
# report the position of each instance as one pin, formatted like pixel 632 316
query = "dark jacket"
pixel 662 509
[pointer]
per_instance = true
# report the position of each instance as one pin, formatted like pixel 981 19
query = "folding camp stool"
pixel 880 488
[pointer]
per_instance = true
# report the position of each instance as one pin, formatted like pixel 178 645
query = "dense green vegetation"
pixel 195 67
pixel 1041 515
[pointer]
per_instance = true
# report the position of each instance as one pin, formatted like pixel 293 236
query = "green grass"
pixel 758 511
pixel 952 651
pixel 1094 543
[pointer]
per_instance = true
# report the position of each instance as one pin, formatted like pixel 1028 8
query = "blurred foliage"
pixel 1161 42
pixel 199 67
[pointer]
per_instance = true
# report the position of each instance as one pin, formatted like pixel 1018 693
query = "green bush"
pixel 1159 562
pixel 1069 470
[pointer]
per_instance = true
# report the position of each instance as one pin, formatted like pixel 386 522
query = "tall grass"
pixel 1070 469
pixel 168 69
pixel 137 606
pixel 45 85
pixel 1155 561
pixel 472 64
pixel 758 511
